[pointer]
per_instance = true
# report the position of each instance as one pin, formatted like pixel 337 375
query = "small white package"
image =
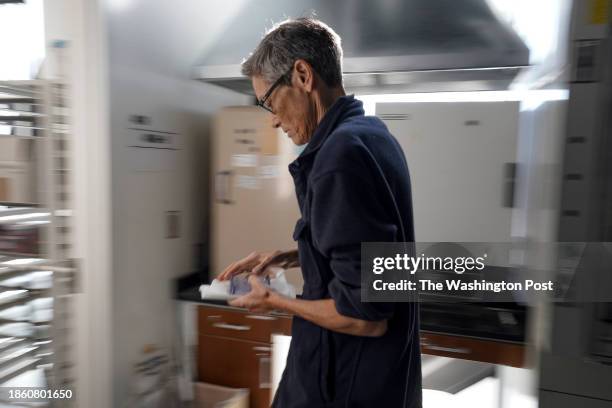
pixel 220 290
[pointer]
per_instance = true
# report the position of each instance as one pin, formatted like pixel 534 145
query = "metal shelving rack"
pixel 36 274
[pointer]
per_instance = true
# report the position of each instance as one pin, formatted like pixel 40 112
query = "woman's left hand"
pixel 256 299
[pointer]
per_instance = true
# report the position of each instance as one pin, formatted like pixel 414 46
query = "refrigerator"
pixel 463 170
pixel 254 207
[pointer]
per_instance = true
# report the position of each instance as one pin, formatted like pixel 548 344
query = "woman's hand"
pixel 322 312
pixel 258 262
pixel 256 299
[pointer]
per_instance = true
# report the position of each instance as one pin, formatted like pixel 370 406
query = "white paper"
pixel 244 160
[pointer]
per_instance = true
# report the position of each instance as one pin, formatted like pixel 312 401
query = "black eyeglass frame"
pixel 262 102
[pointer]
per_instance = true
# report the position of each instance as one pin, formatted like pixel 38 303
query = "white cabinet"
pixel 462 159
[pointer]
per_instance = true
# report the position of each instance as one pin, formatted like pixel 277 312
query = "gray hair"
pixel 303 38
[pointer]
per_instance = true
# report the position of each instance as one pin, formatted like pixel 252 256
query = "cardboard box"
pixel 216 396
pixel 14 149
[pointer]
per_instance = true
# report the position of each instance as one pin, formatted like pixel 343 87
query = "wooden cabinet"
pixel 239 324
pixel 234 349
pixel 238 364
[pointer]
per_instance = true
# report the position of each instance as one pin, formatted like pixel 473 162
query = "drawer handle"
pixel 260 317
pixel 262 348
pixel 237 327
pixel 448 349
pixel 265 372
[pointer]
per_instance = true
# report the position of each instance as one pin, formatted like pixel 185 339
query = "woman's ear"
pixel 304 75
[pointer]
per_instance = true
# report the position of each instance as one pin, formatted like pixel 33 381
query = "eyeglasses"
pixel 262 102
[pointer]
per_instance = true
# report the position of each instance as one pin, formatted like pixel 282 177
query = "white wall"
pixel 152 47
pixel 84 68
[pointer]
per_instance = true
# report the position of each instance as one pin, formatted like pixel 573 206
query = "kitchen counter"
pixel 468 331
pixel 235 347
pixel 188 290
pixel 473 320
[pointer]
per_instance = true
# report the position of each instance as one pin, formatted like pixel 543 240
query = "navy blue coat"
pixel 352 185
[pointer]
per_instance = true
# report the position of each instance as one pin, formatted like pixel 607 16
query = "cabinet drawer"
pixel 466 348
pixel 240 324
pixel 238 364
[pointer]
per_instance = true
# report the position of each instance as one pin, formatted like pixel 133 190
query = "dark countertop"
pixel 463 319
pixel 188 290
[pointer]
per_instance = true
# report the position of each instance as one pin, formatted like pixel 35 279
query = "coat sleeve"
pixel 346 211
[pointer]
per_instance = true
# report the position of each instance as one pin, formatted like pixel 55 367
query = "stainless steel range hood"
pixel 389 45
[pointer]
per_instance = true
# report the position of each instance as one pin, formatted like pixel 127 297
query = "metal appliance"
pixel 389 46
pixel 576 363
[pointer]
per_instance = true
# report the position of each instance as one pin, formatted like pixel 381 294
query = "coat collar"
pixel 343 108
